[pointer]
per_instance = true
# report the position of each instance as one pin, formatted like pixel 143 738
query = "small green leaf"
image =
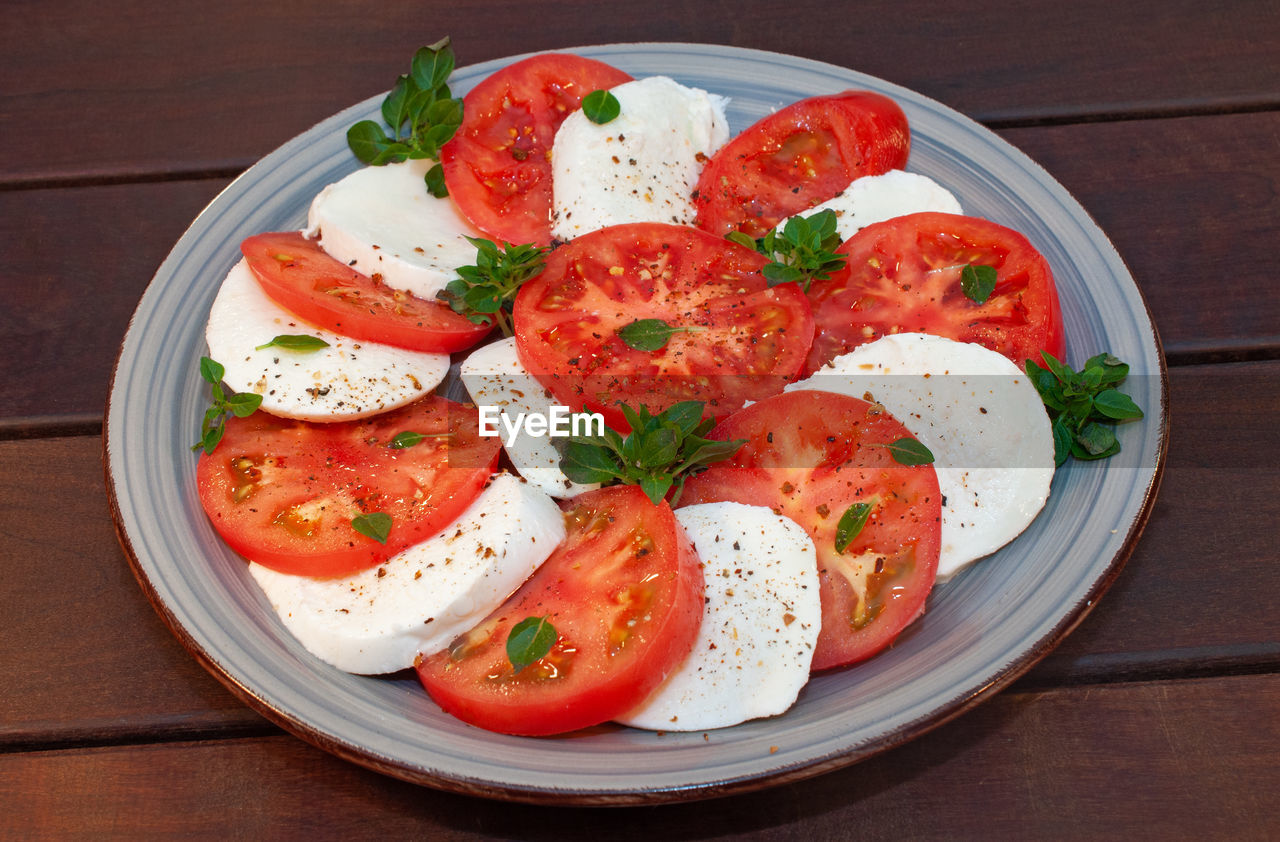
pixel 1118 405
pixel 656 488
pixel 375 525
pixel 908 451
pixel 435 182
pixel 212 437
pixel 1061 442
pixel 850 525
pixel 601 107
pixel 295 342
pixel 211 371
pixel 432 65
pixel 1096 440
pixel 244 404
pixel 780 273
pixel 739 238
pixel 651 334
pixel 530 640
pixel 978 281
pixel 587 463
pixel 367 141
pixel 395 107
pixel 408 438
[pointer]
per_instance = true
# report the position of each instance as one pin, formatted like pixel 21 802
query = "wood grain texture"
pixel 1188 759
pixel 1187 597
pixel 1191 210
pixel 197 87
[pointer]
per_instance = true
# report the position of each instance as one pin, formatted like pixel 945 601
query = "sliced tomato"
pixel 744 341
pixel 624 596
pixel 799 157
pixel 299 276
pixel 904 276
pixel 284 493
pixel 811 456
pixel 498 165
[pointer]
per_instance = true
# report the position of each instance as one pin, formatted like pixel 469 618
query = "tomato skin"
pixel 799 157
pixel 903 276
pixel 498 165
pixel 811 455
pixel 270 475
pixel 749 340
pixel 299 276
pixel 624 594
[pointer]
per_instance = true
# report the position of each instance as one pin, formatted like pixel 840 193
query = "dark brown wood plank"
pixel 1184 760
pixel 1189 204
pixel 1199 587
pixel 73 275
pixel 196 87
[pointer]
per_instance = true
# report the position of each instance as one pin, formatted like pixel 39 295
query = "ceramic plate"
pixel 982 629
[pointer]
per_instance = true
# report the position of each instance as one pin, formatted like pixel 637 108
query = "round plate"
pixel 982 629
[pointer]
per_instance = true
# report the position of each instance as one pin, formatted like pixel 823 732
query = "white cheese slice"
pixel 643 165
pixel 382 221
pixel 417 602
pixel 348 379
pixel 761 621
pixel 980 416
pixel 495 377
pixel 875 198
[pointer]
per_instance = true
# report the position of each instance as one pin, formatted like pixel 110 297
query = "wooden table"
pixel 1158 717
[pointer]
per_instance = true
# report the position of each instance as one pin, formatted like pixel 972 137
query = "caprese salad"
pixel 817 388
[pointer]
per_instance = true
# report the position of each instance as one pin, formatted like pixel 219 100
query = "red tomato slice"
pixel 811 456
pixel 498 165
pixel 747 340
pixel 799 157
pixel 283 493
pixel 903 276
pixel 624 595
pixel 299 276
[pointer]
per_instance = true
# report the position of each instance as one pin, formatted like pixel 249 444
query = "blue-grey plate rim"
pixel 982 630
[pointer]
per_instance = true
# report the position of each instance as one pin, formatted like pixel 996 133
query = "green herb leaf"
pixel 1080 403
pixel 530 640
pixel 802 252
pixel 601 107
pixel 978 281
pixel 850 525
pixel 214 423
pixel 295 342
pixel 375 525
pixel 435 182
pixel 486 291
pixel 659 453
pixel 651 334
pixel 908 451
pixel 420 112
pixel 408 438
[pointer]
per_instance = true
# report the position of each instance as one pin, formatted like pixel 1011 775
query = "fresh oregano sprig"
pixel 421 113
pixel 241 405
pixel 659 454
pixel 802 252
pixel 1083 405
pixel 486 291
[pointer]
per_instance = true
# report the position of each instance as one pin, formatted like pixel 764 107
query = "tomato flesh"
pixel 799 157
pixel 746 340
pixel 624 595
pixel 903 276
pixel 283 493
pixel 299 276
pixel 498 165
pixel 811 456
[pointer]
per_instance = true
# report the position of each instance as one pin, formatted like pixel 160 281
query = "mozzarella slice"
pixel 494 376
pixel 980 416
pixel 346 380
pixel 641 166
pixel 875 198
pixel 760 623
pixel 380 620
pixel 382 221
